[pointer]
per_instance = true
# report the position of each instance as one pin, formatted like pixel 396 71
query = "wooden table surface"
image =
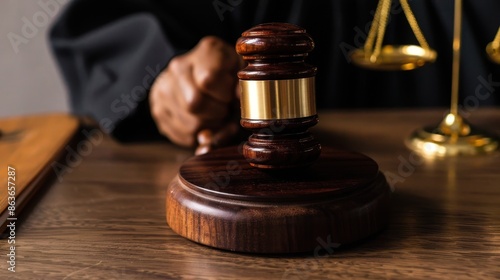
pixel 105 219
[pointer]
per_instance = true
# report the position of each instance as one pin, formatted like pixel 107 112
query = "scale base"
pixel 394 58
pixel 432 142
pixel 219 200
pixel 493 52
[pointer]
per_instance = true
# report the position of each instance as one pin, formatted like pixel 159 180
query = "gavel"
pixel 278 102
pixel 265 201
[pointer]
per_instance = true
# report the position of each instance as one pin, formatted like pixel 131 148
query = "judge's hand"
pixel 193 101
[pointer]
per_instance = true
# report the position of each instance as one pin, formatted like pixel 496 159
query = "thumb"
pixel 209 140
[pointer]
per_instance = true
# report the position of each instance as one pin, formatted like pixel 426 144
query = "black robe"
pixel 109 52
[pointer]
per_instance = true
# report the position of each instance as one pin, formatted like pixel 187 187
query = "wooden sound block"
pixel 219 200
pixel 28 145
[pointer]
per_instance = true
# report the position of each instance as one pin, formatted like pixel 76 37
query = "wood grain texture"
pixel 219 200
pixel 281 144
pixel 29 145
pixel 277 51
pixel 106 219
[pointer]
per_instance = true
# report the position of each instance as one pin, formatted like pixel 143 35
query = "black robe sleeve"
pixel 110 52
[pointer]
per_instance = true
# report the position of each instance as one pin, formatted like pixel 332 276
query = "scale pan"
pixel 393 58
pixel 493 53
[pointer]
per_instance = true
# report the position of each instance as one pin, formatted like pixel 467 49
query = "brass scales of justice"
pixel 453 136
pixel 282 190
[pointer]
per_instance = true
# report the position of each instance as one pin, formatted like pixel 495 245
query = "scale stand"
pixel 454 136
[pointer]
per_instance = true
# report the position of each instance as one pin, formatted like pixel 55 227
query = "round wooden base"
pixel 219 200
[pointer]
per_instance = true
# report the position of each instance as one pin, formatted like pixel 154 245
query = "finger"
pixel 211 109
pixel 204 138
pixel 215 67
pixel 180 81
pixel 169 124
pixel 215 83
pixel 217 54
pixel 191 97
pixel 209 140
pixel 172 120
pixel 181 126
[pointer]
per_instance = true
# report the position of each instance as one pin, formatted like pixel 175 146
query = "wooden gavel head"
pixel 278 96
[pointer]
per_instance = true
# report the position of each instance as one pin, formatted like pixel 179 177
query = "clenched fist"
pixel 195 96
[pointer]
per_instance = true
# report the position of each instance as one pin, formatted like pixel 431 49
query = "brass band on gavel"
pixel 278 99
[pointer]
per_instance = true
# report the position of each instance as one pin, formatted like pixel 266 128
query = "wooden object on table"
pixel 102 221
pixel 219 200
pixel 277 96
pixel 276 196
pixel 28 146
